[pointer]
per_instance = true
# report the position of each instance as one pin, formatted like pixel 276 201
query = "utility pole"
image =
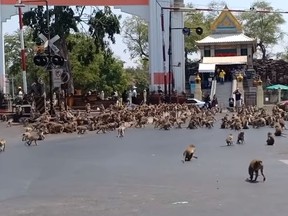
pixel 23 51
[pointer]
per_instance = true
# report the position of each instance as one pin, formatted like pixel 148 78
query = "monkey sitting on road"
pixel 229 140
pixel 278 131
pixel 270 139
pixel 2 145
pixel 189 153
pixel 254 167
pixel 240 139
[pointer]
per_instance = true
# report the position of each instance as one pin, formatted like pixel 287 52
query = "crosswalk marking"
pixel 284 161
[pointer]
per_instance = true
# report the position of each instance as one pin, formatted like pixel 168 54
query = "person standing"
pixel 222 76
pixel 238 98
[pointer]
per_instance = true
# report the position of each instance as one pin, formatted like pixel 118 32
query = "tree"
pixel 13 59
pixel 265 27
pixel 63 19
pixel 94 70
pixel 140 77
pixel 135 36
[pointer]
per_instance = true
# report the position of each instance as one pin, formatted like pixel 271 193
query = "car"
pixel 196 102
pixel 283 105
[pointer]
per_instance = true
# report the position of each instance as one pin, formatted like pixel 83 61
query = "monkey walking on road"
pixel 240 139
pixel 254 167
pixel 188 154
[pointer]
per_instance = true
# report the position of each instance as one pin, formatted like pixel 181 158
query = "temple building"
pixel 227 47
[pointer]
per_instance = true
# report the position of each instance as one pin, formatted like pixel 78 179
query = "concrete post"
pixel 130 97
pixel 144 97
pixel 102 95
pixel 260 95
pixel 198 89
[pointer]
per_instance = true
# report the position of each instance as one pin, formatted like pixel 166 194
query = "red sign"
pixel 225 54
pixel 159 78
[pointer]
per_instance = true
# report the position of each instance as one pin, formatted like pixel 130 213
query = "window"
pixel 207 53
pixel 244 52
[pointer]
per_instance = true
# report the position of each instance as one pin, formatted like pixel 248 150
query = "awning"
pixel 206 68
pixel 227 60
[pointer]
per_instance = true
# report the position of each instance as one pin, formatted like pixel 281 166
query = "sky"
pixel 12 25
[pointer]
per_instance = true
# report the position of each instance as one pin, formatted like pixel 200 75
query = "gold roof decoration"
pixel 226 21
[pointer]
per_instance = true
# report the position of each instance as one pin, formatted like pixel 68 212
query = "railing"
pixel 213 88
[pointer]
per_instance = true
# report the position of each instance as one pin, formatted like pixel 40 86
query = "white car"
pixel 196 102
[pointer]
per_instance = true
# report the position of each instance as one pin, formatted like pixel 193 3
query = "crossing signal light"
pixel 40 60
pixel 57 60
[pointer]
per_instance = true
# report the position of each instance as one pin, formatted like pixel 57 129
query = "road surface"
pixel 142 174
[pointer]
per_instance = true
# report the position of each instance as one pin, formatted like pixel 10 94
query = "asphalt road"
pixel 142 174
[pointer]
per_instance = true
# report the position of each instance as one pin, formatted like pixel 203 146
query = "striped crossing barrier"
pixel 40 104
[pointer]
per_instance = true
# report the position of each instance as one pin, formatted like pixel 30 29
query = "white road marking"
pixel 284 161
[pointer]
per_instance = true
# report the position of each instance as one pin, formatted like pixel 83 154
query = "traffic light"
pixel 199 31
pixel 186 31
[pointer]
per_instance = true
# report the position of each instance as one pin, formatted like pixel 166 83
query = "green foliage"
pixel 263 26
pixel 194 20
pixel 61 21
pixel 103 23
pixel 100 71
pixel 140 77
pixel 135 36
pixel 13 59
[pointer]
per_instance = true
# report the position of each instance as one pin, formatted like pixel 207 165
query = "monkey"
pixel 240 139
pixel 188 154
pixel 81 129
pixel 278 131
pixel 120 131
pixel 254 167
pixel 2 145
pixel 229 140
pixel 270 139
pixel 9 122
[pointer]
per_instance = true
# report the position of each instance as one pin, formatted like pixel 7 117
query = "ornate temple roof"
pixel 226 38
pixel 226 29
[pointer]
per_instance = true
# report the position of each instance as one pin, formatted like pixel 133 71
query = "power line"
pixel 187 9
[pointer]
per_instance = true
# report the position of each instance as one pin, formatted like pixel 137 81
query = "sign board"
pixel 56 74
pixel 65 77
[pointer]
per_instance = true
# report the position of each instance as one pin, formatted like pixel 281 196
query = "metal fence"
pixel 250 98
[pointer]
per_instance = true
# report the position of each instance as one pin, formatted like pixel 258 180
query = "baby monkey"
pixel 270 139
pixel 229 140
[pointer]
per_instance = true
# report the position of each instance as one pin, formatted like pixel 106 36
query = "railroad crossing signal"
pixel 50 42
pixel 41 58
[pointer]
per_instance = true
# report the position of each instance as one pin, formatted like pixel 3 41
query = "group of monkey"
pixel 241 140
pixel 254 167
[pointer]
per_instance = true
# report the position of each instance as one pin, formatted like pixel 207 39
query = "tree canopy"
pixel 265 27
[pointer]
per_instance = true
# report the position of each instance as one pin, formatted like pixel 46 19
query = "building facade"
pixel 227 47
